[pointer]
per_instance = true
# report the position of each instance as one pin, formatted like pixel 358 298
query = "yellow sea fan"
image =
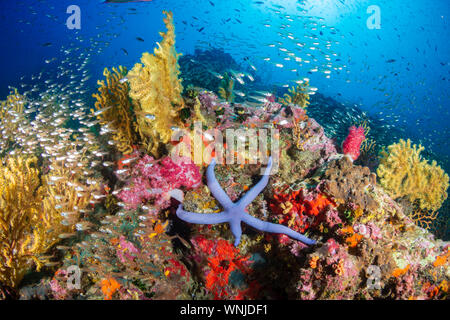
pixel 23 232
pixel 113 108
pixel 403 173
pixel 11 115
pixel 297 95
pixel 156 90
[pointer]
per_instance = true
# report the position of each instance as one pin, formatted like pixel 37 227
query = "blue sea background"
pixel 398 74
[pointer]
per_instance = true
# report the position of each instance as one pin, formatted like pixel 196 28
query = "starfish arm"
pixel 201 218
pixel 215 187
pixel 275 228
pixel 236 229
pixel 253 192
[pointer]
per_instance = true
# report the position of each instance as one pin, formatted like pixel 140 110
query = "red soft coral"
pixel 352 143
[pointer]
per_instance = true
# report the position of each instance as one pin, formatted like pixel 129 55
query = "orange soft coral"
pixel 297 212
pixel 109 287
pixel 442 259
pixel 352 238
pixel 399 272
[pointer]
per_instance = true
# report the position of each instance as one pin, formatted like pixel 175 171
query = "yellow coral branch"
pixel 156 90
pixel 113 108
pixel 403 173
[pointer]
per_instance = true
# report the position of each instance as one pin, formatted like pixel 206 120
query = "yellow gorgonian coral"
pixel 113 108
pixel 156 90
pixel 26 232
pixel 403 173
pixel 11 115
pixel 36 212
pixel 226 88
pixel 67 195
pixel 297 95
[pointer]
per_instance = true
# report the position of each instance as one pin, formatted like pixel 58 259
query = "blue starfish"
pixel 234 212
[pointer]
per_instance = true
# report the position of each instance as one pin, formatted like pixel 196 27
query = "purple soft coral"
pixel 234 212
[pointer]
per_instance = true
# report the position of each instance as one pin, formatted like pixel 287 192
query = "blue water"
pixel 398 74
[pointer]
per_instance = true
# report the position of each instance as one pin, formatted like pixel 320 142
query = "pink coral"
pixel 156 179
pixel 59 292
pixel 352 143
pixel 126 250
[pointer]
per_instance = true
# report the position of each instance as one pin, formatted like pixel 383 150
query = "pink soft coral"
pixel 153 179
pixel 126 250
pixel 352 143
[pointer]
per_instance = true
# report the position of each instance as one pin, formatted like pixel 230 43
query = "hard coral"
pixel 403 173
pixel 348 183
pixel 156 91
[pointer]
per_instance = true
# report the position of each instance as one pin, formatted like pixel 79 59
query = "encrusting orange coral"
pixel 399 272
pixel 442 259
pixel 354 238
pixel 109 287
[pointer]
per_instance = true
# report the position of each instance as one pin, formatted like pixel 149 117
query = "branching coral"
pixel 403 173
pixel 424 218
pixel 297 95
pixel 67 194
pixel 226 88
pixel 156 91
pixel 11 117
pixel 113 108
pixel 26 231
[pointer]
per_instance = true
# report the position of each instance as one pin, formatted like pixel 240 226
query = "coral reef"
pixel 113 109
pixel 85 213
pixel 156 91
pixel 234 212
pixel 403 173
pixel 157 180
